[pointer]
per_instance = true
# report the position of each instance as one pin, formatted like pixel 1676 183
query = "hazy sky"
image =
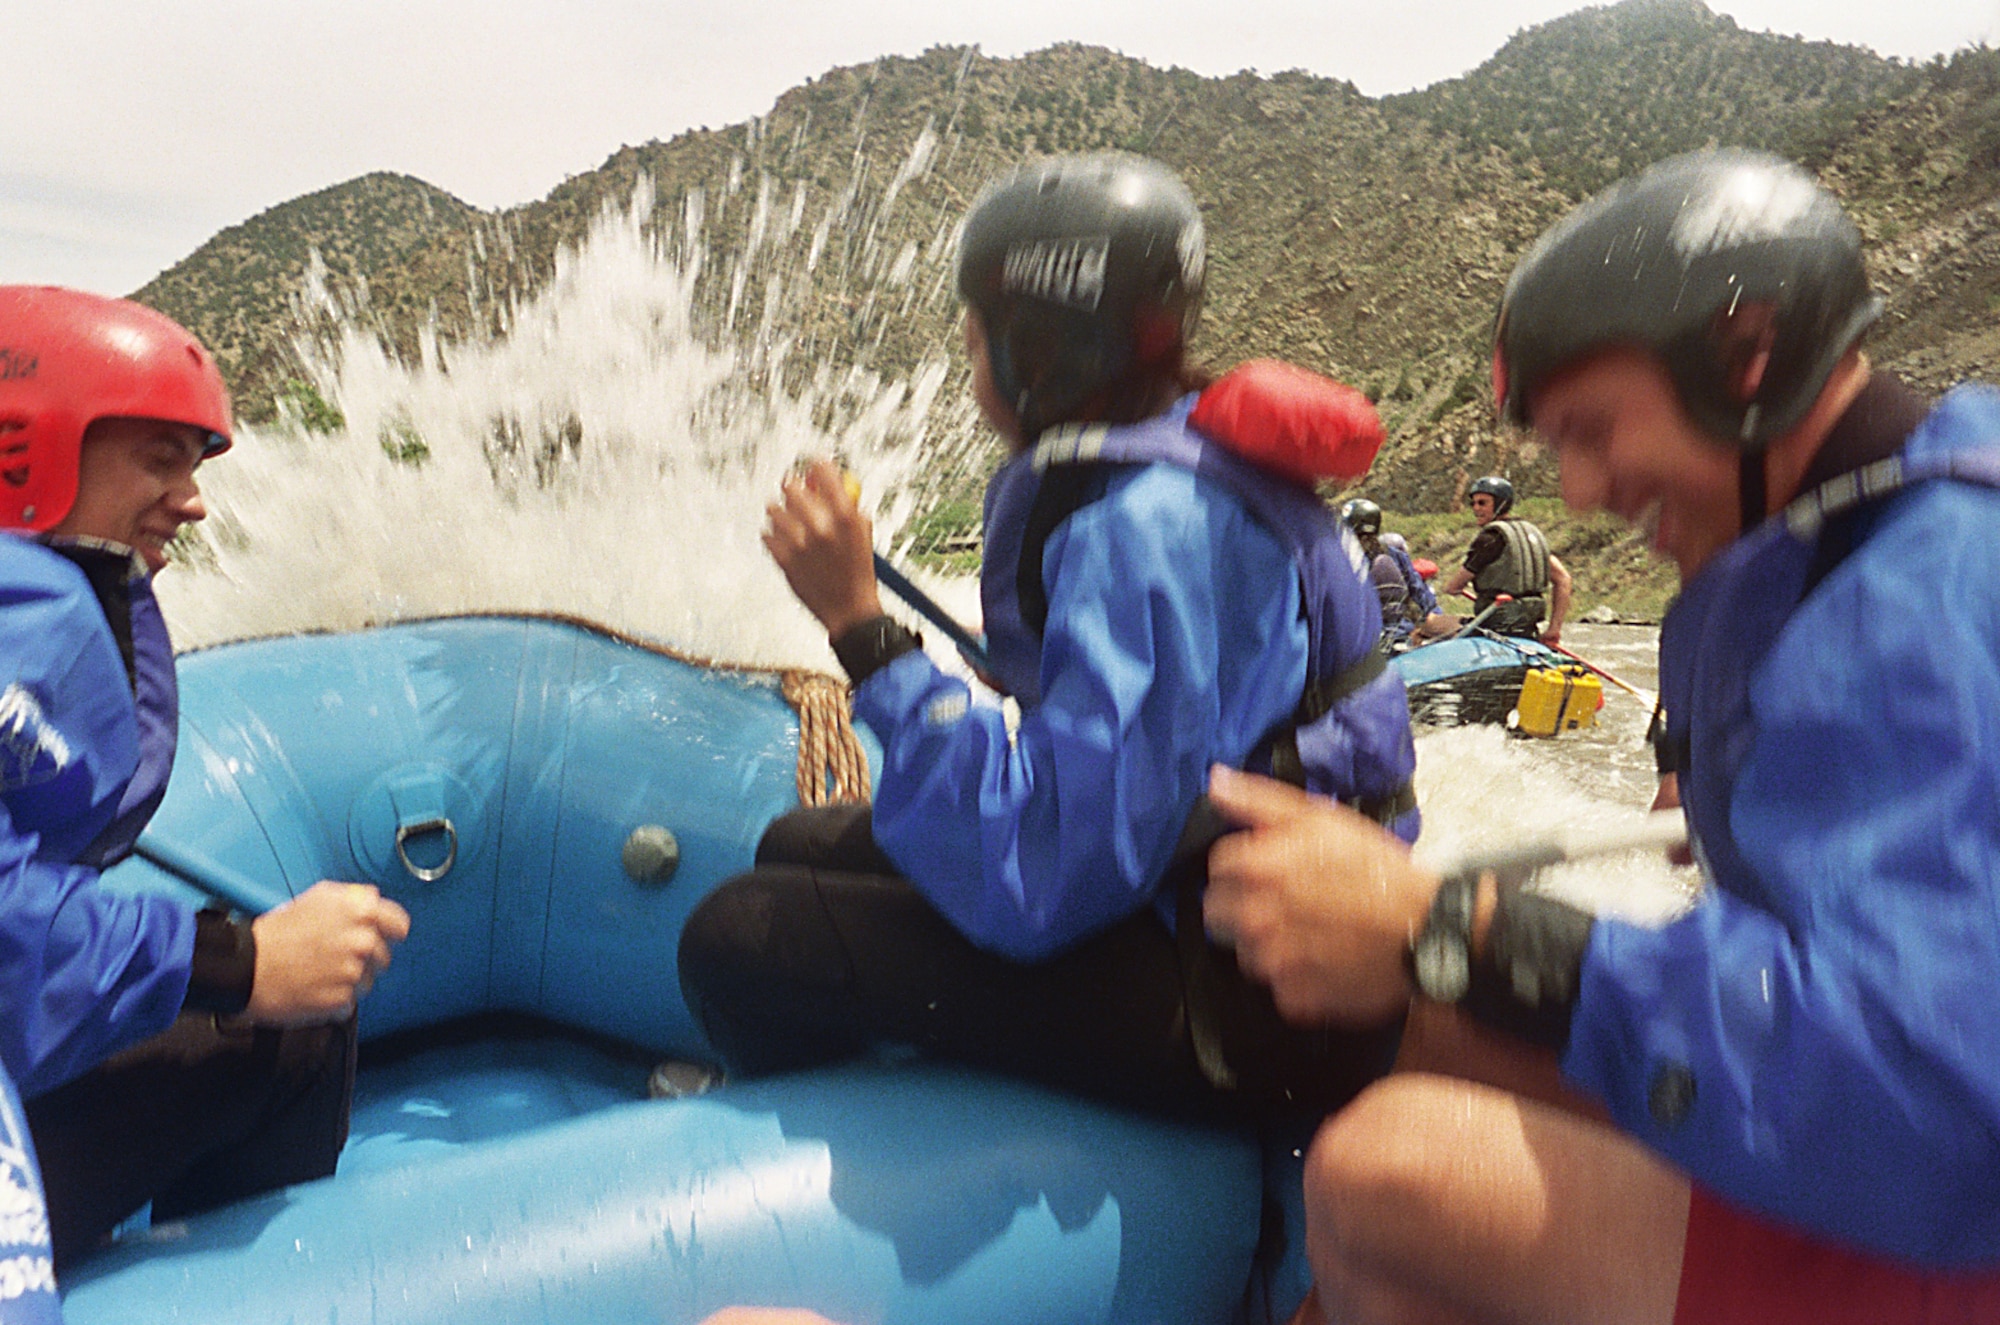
pixel 134 131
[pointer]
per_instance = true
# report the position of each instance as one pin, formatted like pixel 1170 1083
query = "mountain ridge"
pixel 1364 237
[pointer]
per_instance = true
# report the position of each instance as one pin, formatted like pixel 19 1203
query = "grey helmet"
pixel 1362 516
pixel 1499 489
pixel 1086 272
pixel 1391 589
pixel 1657 261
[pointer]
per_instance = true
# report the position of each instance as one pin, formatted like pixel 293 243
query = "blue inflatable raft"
pixel 1470 679
pixel 505 1164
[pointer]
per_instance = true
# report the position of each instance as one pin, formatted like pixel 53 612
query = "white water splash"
pixel 602 459
pixel 1482 789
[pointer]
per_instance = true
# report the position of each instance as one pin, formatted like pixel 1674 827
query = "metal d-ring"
pixel 427 874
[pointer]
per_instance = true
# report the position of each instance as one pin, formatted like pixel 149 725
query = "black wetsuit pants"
pixel 823 952
pixel 194 1118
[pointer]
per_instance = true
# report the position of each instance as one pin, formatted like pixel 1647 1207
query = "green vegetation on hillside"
pixel 1560 97
pixel 254 287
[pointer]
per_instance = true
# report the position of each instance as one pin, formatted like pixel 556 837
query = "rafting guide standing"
pixel 1510 556
pixel 1783 1106
pixel 1162 589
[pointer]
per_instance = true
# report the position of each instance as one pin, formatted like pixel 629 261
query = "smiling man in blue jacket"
pixel 1785 1105
pixel 165 1055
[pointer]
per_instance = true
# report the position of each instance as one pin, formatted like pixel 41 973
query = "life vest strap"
pixel 1065 489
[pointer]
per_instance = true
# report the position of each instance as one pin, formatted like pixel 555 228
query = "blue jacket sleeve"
pixel 86 972
pixel 1842 1030
pixel 1174 640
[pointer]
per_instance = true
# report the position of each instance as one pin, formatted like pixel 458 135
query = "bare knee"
pixel 1374 1205
pixel 1370 1161
pixel 1459 1201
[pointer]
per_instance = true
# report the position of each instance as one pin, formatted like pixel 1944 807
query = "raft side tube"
pixel 542 745
pixel 918 1195
pixel 515 1186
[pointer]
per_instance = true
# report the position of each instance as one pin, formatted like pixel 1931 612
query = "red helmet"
pixel 68 359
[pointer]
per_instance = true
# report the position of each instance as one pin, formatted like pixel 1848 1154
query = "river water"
pixel 1483 787
pixel 610 457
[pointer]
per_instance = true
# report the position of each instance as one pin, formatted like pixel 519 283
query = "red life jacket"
pixel 1290 421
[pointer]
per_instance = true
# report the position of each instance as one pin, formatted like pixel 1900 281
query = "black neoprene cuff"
pixel 866 647
pixel 1527 979
pixel 225 964
pixel 1669 750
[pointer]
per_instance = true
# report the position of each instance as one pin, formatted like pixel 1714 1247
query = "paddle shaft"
pixel 1473 624
pixel 211 877
pixel 928 608
pixel 1626 686
pixel 1662 830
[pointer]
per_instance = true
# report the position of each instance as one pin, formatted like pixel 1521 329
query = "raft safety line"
pixel 832 767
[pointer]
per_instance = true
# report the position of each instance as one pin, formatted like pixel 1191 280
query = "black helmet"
pixel 1362 516
pixel 1499 489
pixel 1657 260
pixel 1086 272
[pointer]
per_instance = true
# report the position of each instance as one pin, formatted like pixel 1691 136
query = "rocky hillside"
pixel 380 237
pixel 1364 237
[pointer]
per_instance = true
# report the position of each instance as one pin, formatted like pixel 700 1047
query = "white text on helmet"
pixel 1069 272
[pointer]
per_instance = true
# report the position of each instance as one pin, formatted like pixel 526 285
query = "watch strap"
pixel 1440 957
pixel 866 647
pixel 1527 979
pixel 224 964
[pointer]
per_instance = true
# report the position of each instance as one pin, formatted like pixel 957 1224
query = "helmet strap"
pixel 1750 491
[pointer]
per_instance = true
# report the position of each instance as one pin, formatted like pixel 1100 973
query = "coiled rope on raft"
pixel 832 767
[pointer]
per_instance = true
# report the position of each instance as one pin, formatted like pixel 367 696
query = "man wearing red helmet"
pixel 1783 1105
pixel 165 1055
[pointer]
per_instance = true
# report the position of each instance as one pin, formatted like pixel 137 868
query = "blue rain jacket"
pixel 1393 567
pixel 1420 588
pixel 1176 638
pixel 83 972
pixel 1834 999
pixel 27 1259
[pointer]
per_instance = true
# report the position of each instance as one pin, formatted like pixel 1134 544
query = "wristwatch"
pixel 1526 979
pixel 866 647
pixel 1440 957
